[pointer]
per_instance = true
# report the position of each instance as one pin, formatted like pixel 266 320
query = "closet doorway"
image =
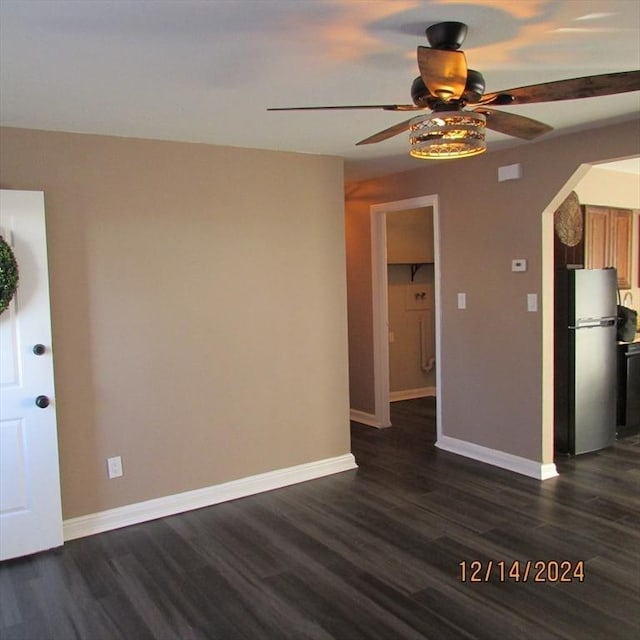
pixel 383 332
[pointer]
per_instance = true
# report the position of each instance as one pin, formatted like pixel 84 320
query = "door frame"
pixel 380 309
pixel 34 523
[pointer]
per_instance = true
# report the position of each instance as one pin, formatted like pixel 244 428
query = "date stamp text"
pixel 521 571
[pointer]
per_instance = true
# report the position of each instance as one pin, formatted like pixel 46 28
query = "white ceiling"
pixel 205 71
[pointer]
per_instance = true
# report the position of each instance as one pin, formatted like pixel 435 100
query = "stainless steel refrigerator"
pixel 585 359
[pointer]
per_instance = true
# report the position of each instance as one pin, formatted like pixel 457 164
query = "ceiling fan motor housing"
pixel 473 91
pixel 474 87
pixel 446 35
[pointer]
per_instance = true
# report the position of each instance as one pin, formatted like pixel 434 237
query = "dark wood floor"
pixel 367 554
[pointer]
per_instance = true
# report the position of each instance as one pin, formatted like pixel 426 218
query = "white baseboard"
pixel 366 418
pixel 170 505
pixel 411 394
pixel 497 458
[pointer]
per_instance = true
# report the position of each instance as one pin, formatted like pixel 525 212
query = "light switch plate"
pixel 532 301
pixel 462 301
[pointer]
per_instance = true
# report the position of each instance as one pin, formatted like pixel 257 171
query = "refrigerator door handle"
pixel 592 323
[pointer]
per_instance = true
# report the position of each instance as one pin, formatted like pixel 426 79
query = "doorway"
pixel 592 187
pixel 379 213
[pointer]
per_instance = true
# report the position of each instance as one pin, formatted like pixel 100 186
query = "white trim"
pixel 170 505
pixel 497 458
pixel 379 301
pixel 380 307
pixel 411 394
pixel 366 418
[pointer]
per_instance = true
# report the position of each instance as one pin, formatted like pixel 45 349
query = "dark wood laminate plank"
pixel 367 554
pixel 482 619
pixel 347 612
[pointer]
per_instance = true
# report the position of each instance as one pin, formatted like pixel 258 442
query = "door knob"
pixel 42 402
pixel 39 349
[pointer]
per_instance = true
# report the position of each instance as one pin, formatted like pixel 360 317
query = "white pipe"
pixel 426 364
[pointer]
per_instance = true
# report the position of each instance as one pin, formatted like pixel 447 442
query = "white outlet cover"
pixel 114 467
pixel 519 264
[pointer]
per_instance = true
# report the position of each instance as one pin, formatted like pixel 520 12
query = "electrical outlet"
pixel 519 264
pixel 114 467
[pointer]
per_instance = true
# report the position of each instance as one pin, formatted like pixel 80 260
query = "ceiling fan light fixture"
pixel 447 134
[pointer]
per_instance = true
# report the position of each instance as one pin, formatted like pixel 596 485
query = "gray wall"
pixel 491 366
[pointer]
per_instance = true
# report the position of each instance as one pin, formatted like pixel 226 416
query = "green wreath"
pixel 8 274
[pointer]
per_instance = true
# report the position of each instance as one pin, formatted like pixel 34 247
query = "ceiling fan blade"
pixel 385 107
pixel 513 124
pixel 387 133
pixel 443 72
pixel 585 87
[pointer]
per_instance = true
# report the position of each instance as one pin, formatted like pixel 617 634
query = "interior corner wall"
pixel 491 353
pixel 609 188
pixel 602 187
pixel 198 301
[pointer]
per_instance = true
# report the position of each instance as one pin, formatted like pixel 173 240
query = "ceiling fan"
pixel 459 109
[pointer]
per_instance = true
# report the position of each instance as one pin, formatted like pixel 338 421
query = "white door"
pixel 30 510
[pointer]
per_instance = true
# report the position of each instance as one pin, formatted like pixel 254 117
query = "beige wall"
pixel 198 307
pixel 491 365
pixel 406 353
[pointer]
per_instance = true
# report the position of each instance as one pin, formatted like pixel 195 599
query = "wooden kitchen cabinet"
pixel 608 241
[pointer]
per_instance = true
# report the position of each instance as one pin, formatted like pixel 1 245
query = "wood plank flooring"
pixel 372 554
